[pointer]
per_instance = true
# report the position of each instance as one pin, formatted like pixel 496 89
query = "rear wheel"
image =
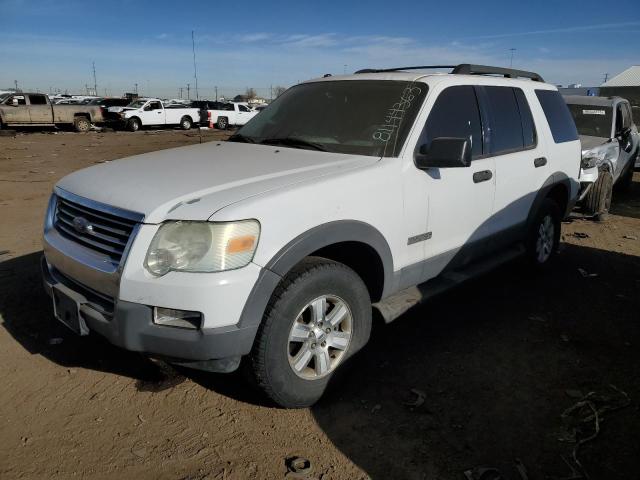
pixel 223 123
pixel 598 199
pixel 318 317
pixel 543 237
pixel 134 124
pixel 82 124
pixel 185 123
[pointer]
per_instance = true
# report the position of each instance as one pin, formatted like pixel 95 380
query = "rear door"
pixel 521 165
pixel 39 109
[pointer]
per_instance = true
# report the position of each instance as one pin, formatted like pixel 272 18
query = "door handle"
pixel 540 162
pixel 482 176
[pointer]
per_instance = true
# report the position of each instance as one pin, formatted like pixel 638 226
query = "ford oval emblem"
pixel 82 225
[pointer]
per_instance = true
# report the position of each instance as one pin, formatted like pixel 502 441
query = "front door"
pixel 460 200
pixel 152 114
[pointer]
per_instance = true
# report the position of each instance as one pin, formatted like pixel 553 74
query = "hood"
pixel 192 183
pixel 588 142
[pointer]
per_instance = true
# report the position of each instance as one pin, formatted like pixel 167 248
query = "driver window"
pixel 243 108
pixel 455 114
pixel 18 100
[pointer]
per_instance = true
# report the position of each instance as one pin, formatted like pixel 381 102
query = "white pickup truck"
pixel 230 114
pixel 152 111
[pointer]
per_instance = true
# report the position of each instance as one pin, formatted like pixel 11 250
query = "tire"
pixel 134 124
pixel 598 199
pixel 289 370
pixel 82 124
pixel 223 123
pixel 543 237
pixel 186 123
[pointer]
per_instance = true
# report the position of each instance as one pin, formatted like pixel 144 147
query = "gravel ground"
pixel 493 365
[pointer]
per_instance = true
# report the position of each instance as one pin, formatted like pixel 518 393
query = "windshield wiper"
pixel 238 137
pixel 294 142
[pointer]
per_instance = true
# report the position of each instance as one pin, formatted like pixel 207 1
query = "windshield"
pixel 3 96
pixel 137 103
pixel 592 120
pixel 363 117
pixel 96 101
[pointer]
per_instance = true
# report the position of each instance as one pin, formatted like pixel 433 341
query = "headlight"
pixel 202 246
pixel 598 155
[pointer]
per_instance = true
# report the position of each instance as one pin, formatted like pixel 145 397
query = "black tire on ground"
pixel 270 363
pixel 543 237
pixel 133 125
pixel 185 123
pixel 223 123
pixel 598 199
pixel 82 124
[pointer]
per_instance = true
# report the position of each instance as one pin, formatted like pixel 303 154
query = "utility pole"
pixel 188 90
pixel 511 61
pixel 86 88
pixel 195 70
pixel 606 77
pixel 216 87
pixel 15 82
pixel 180 93
pixel 270 93
pixel 95 82
pixel 136 88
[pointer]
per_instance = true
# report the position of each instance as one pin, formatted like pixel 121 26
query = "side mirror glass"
pixel 444 152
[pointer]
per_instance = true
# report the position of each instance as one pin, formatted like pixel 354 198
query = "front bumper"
pixel 129 325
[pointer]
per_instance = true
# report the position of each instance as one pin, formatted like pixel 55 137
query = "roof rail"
pixel 396 69
pixel 465 69
pixel 469 69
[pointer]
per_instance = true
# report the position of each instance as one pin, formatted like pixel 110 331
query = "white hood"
pixel 192 183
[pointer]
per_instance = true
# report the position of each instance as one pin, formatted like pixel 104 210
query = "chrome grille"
pixel 96 229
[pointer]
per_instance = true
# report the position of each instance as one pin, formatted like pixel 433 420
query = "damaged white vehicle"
pixel 610 146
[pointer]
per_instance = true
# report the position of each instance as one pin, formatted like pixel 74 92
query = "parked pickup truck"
pixel 35 109
pixel 230 114
pixel 270 248
pixel 153 112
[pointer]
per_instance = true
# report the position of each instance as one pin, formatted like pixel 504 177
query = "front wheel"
pixel 133 125
pixel 598 200
pixel 318 317
pixel 543 237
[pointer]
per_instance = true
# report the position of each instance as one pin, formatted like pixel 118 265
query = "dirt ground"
pixel 497 362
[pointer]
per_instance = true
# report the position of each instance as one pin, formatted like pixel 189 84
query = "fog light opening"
pixel 170 317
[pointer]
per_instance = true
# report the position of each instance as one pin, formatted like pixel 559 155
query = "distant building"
pixel 625 85
pixel 584 91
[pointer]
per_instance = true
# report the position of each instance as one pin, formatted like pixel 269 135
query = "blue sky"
pixel 51 44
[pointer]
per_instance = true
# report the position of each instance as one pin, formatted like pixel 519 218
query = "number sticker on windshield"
pixel 395 114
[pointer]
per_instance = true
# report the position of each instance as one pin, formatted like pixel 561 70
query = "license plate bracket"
pixel 67 311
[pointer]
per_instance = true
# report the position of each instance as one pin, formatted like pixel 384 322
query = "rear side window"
pixel 506 126
pixel 455 114
pixel 558 116
pixel 37 100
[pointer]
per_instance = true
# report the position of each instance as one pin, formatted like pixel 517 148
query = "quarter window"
pixel 455 114
pixel 529 135
pixel 562 126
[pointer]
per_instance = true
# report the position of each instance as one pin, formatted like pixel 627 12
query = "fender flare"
pixel 555 179
pixel 304 245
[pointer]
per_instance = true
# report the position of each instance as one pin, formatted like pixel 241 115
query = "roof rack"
pixel 466 69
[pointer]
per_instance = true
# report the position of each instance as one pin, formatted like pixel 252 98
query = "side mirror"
pixel 444 152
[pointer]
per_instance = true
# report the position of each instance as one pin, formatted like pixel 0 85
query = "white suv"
pixel 271 247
